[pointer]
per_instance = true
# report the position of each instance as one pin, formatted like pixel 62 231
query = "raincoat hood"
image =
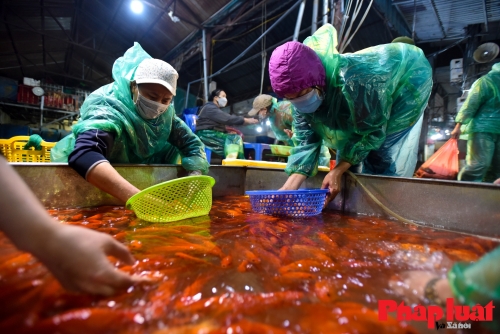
pixel 111 109
pixel 123 72
pixel 294 67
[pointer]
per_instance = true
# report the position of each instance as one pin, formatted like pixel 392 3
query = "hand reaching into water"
pixel 77 257
pixel 412 286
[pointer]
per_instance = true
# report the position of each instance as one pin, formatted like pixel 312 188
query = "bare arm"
pixel 294 182
pixel 75 255
pixel 106 178
pixel 249 121
pixel 455 134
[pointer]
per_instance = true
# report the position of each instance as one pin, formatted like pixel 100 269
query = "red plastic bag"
pixel 443 164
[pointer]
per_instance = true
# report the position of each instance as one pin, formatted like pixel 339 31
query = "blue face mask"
pixel 308 103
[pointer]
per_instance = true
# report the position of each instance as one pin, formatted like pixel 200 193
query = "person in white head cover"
pixel 131 120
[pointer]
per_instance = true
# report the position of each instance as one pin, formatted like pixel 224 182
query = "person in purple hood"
pixel 367 105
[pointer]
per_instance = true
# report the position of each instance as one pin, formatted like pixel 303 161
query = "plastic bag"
pixel 443 164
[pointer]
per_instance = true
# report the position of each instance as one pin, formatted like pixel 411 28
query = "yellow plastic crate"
pixel 13 150
pixel 263 164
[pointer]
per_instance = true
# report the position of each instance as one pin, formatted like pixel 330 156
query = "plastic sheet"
pixel 481 110
pixel 483 158
pixel 281 118
pixel 369 95
pixel 111 109
pixel 224 144
pixel 478 283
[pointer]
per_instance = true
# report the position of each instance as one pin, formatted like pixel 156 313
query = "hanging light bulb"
pixel 136 6
pixel 174 18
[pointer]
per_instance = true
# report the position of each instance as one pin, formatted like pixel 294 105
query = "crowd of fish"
pixel 233 271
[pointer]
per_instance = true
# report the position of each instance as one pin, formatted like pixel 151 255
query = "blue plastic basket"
pixel 291 203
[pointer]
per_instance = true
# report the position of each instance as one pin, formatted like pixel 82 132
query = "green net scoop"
pixel 174 200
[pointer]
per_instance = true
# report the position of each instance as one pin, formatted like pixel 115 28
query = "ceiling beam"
pixel 15 49
pixel 58 65
pixel 42 14
pixel 438 18
pixel 485 15
pixel 43 34
pixel 115 14
pixel 68 57
pixel 56 38
pixel 93 83
pixel 385 20
pixel 156 20
pixel 193 37
pixel 238 18
pixel 396 21
pixel 189 10
pixel 29 61
pixel 59 24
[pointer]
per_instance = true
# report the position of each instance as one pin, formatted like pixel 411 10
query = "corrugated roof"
pixel 75 42
pixel 442 19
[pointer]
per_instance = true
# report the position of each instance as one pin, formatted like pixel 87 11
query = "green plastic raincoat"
pixel 480 118
pixel 222 143
pixel 138 141
pixel 373 97
pixel 479 283
pixel 281 118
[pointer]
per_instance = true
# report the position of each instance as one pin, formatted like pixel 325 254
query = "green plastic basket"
pixel 174 200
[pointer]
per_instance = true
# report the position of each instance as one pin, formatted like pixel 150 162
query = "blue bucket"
pixel 289 203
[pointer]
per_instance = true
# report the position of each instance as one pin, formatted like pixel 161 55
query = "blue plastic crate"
pixel 290 203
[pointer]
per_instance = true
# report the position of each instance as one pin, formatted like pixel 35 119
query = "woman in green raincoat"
pixel 131 120
pixel 479 117
pixel 281 120
pixel 367 105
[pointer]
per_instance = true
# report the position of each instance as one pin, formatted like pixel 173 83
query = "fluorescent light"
pixel 268 122
pixel 136 6
pixel 259 129
pixel 436 136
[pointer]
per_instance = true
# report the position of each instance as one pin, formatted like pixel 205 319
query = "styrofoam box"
pixel 456 75
pixel 457 63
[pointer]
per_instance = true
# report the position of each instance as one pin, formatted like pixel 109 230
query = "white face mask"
pixel 149 109
pixel 222 102
pixel 308 103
